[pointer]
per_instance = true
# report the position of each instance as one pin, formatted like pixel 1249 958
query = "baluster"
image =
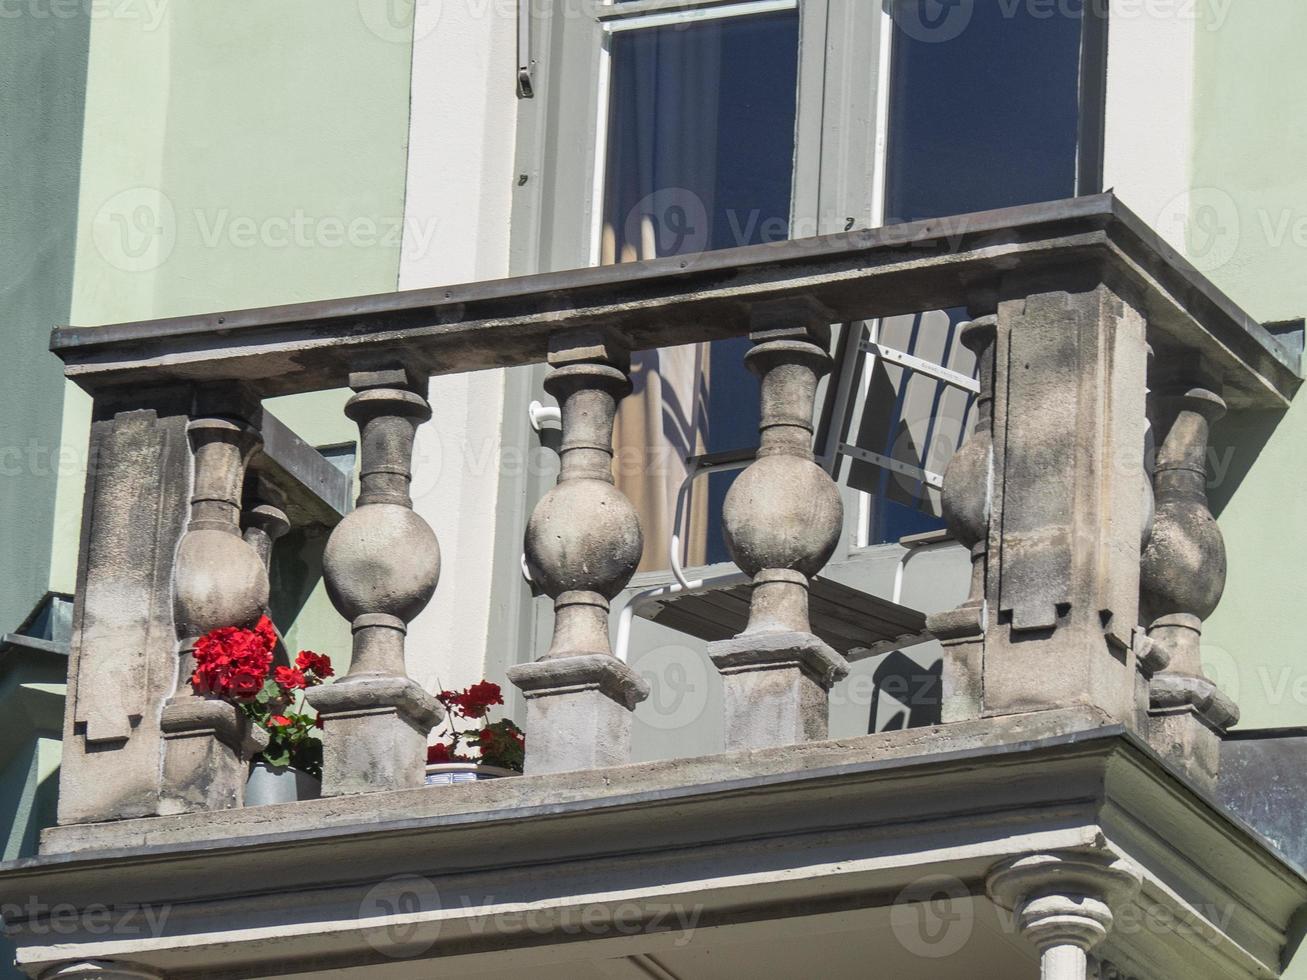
pixel 583 544
pixel 219 581
pixel 380 566
pixel 1065 904
pixel 1182 576
pixel 968 482
pixel 782 519
pixel 264 520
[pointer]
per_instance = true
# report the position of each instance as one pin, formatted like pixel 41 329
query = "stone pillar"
pixel 968 481
pixel 219 581
pixel 782 520
pixel 583 544
pixel 1062 561
pixel 123 655
pixel 381 566
pixel 264 520
pixel 1064 905
pixel 101 970
pixel 1183 576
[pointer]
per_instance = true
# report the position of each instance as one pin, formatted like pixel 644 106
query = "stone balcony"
pixel 1063 808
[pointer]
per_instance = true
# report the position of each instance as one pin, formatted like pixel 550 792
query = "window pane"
pixel 984 110
pixel 700 156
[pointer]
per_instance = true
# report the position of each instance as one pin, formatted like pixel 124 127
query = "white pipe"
pixel 540 413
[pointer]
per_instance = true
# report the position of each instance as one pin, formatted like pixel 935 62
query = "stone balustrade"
pixel 1048 494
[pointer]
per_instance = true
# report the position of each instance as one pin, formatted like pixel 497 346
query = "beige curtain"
pixel 661 178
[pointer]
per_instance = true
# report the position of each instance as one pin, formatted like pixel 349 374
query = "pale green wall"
pixel 42 77
pixel 1250 180
pixel 237 155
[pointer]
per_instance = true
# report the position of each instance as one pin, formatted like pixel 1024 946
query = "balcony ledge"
pixel 745 837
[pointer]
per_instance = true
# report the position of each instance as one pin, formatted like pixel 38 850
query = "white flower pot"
pixel 445 773
pixel 279 784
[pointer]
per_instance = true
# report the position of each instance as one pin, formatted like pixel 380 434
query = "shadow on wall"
pixel 905 694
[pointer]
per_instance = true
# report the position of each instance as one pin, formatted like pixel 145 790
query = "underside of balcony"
pixel 879 846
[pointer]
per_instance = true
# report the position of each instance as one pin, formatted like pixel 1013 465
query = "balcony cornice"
pixel 743 837
pixel 931 264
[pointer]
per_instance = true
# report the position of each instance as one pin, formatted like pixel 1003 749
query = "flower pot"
pixel 279 784
pixel 444 773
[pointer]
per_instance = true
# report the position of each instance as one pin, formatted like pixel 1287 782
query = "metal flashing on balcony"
pixel 930 264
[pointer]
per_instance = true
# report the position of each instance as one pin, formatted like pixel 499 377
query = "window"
pixel 662 127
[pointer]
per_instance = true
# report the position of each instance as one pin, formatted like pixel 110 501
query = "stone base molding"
pixel 776 687
pixel 1063 904
pixel 579 711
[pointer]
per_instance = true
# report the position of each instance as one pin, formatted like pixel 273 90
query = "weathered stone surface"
pixel 381 566
pixel 583 544
pixel 219 580
pixel 1062 573
pixel 775 687
pixel 578 711
pixel 1182 574
pixel 123 662
pixel 782 519
pixel 924 265
pixel 967 504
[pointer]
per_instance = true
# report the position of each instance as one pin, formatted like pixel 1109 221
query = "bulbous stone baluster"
pixel 219 581
pixel 782 519
pixel 968 483
pixel 1182 576
pixel 380 566
pixel 1065 905
pixel 264 521
pixel 583 544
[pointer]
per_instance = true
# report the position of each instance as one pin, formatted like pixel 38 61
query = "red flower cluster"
pixel 473 702
pixel 314 663
pixel 233 662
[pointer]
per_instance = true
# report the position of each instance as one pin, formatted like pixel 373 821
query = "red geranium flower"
pixel 314 663
pixel 437 753
pixel 279 721
pixel 289 678
pixel 475 701
pixel 233 662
